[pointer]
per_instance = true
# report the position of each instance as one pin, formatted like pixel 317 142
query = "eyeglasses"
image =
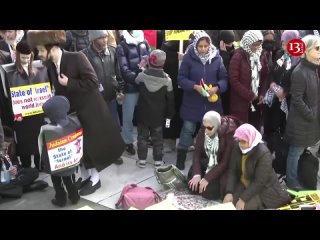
pixel 209 128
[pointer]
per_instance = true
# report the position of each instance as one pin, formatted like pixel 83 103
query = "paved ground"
pixel 41 200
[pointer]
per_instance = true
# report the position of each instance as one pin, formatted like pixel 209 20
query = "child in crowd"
pixel 56 109
pixel 155 105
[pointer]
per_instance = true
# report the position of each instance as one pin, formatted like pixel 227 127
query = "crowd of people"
pixel 230 95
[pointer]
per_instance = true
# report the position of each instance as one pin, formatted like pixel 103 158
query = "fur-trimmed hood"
pixel 45 37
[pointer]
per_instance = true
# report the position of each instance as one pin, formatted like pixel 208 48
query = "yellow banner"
pixel 178 34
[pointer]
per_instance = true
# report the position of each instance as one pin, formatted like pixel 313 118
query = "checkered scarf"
pixel 212 52
pixel 211 147
pixel 269 98
pixel 247 40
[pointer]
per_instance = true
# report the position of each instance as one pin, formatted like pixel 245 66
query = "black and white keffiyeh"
pixel 211 147
pixel 269 98
pixel 247 40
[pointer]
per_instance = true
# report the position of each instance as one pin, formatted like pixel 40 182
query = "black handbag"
pixel 308 168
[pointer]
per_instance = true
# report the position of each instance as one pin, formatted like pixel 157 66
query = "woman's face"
pixel 203 46
pixel 209 128
pixel 313 54
pixel 25 58
pixel 243 144
pixel 255 46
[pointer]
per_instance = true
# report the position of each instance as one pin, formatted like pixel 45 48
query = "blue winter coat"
pixel 129 56
pixel 191 71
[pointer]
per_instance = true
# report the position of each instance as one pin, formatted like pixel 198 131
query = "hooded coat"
pixel 191 71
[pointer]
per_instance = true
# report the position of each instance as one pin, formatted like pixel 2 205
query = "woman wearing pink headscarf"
pixel 252 183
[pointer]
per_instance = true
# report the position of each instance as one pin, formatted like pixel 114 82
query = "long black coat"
pixel 303 125
pixel 103 143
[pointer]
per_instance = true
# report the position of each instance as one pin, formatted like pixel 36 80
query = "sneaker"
pixel 142 163
pixel 158 163
pixel 130 149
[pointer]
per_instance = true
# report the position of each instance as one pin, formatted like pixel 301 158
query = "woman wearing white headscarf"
pixel 247 88
pixel 207 174
pixel 201 62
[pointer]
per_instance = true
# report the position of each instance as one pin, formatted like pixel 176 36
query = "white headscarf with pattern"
pixel 212 52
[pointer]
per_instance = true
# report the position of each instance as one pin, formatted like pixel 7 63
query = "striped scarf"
pixel 211 146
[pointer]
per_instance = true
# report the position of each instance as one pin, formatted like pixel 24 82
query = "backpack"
pixel 138 197
pixel 308 168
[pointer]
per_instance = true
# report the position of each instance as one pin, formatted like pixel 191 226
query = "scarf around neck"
pixel 247 40
pixel 211 147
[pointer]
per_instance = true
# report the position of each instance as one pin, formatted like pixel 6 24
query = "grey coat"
pixel 303 120
pixel 259 171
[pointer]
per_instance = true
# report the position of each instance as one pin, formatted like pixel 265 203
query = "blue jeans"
pixel 114 111
pixel 129 102
pixel 292 165
pixel 186 133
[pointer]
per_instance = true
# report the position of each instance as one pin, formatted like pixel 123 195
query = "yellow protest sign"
pixel 28 100
pixel 178 34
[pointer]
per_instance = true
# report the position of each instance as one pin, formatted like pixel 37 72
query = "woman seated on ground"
pixel 207 174
pixel 252 182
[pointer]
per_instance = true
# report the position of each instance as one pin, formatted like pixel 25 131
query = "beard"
pixel 10 42
pixel 45 61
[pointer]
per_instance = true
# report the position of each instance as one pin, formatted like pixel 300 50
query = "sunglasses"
pixel 317 48
pixel 209 128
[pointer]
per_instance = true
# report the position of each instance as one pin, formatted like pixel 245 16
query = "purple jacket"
pixel 191 71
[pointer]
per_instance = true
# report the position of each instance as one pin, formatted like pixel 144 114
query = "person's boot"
pixel 181 158
pixel 73 195
pixel 60 199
